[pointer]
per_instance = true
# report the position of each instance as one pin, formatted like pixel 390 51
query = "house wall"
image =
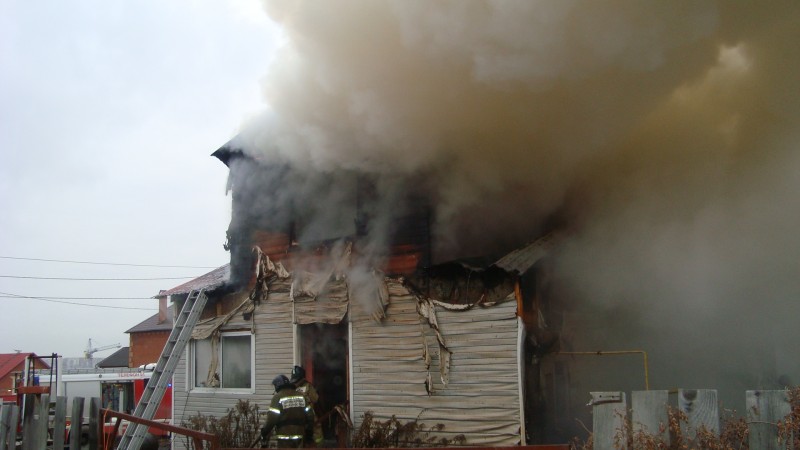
pixel 388 372
pixel 274 343
pixel 481 399
pixel 146 347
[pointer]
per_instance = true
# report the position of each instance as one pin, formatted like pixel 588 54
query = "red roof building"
pixel 11 363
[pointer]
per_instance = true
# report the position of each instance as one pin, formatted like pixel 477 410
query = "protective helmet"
pixel 298 373
pixel 280 382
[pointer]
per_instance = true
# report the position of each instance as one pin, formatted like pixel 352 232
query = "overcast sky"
pixel 109 111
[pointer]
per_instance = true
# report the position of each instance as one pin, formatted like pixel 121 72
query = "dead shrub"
pixel 734 432
pixel 789 427
pixel 392 433
pixel 238 428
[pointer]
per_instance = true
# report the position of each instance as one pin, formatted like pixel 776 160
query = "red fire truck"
pixel 119 390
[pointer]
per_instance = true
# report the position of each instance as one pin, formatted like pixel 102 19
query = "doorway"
pixel 325 357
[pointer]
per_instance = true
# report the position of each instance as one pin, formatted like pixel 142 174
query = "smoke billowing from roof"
pixel 664 134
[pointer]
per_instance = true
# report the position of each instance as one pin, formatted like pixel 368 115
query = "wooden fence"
pixel 45 426
pixel 613 422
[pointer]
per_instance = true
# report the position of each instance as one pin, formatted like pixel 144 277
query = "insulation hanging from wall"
pixel 321 296
pixel 369 293
pixel 266 272
pixel 427 309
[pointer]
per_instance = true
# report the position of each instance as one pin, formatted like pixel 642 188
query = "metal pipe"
pixel 618 352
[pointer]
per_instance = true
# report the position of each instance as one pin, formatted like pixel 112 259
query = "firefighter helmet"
pixel 298 373
pixel 280 382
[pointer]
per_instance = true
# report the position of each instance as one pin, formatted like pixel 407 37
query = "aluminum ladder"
pixel 162 375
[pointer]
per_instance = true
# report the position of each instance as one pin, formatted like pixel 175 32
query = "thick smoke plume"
pixel 662 135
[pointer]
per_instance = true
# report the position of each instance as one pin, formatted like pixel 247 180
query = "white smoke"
pixel 664 134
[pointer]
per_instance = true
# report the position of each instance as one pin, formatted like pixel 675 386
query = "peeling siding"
pixel 481 399
pixel 273 355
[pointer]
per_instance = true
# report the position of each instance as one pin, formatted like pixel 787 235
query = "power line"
pixel 97 279
pixel 74 298
pixel 103 263
pixel 74 303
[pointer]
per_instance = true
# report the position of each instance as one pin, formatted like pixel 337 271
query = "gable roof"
pixel 117 359
pixel 9 361
pixel 151 324
pixel 209 281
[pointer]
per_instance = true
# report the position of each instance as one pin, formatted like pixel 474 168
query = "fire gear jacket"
pixel 292 418
pixel 308 390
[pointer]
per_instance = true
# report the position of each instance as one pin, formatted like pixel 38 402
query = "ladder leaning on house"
pixel 162 375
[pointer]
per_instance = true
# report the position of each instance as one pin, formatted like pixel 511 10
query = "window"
pixel 223 361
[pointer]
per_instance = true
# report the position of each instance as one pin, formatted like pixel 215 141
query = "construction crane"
pixel 92 350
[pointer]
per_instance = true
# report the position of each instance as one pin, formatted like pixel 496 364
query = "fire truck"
pixel 118 390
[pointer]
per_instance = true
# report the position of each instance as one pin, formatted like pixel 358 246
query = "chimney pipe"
pixel 162 308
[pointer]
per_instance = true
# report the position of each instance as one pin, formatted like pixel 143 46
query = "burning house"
pixel 443 201
pixel 379 327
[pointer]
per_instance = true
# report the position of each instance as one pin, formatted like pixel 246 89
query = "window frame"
pixel 191 368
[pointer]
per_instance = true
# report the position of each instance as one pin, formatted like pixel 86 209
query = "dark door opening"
pixel 324 356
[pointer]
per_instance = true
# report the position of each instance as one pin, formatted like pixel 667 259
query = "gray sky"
pixel 108 114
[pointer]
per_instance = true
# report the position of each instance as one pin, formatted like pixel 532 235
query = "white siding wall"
pixel 273 355
pixel 481 400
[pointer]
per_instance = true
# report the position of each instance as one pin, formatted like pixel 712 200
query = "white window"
pixel 223 361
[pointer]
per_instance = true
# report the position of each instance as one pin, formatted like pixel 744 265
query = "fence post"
pixel 42 420
pixel 609 411
pixel 701 409
pixel 5 415
pixel 76 422
pixel 94 423
pixel 34 427
pixel 59 423
pixel 28 405
pixel 764 410
pixel 650 413
pixel 12 431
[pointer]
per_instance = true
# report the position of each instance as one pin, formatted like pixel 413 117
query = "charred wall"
pixel 258 203
pixel 284 210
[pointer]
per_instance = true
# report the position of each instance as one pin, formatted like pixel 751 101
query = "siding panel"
pixel 481 400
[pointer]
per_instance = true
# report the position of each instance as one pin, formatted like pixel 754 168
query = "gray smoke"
pixel 663 134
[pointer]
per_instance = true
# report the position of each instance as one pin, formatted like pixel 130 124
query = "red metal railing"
pixel 197 437
pixel 520 447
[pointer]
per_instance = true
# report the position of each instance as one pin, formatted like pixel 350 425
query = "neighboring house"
pixel 383 331
pixel 119 358
pixel 11 366
pixel 119 378
pixel 148 337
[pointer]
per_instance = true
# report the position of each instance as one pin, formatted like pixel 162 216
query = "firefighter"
pixel 290 415
pixel 308 390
